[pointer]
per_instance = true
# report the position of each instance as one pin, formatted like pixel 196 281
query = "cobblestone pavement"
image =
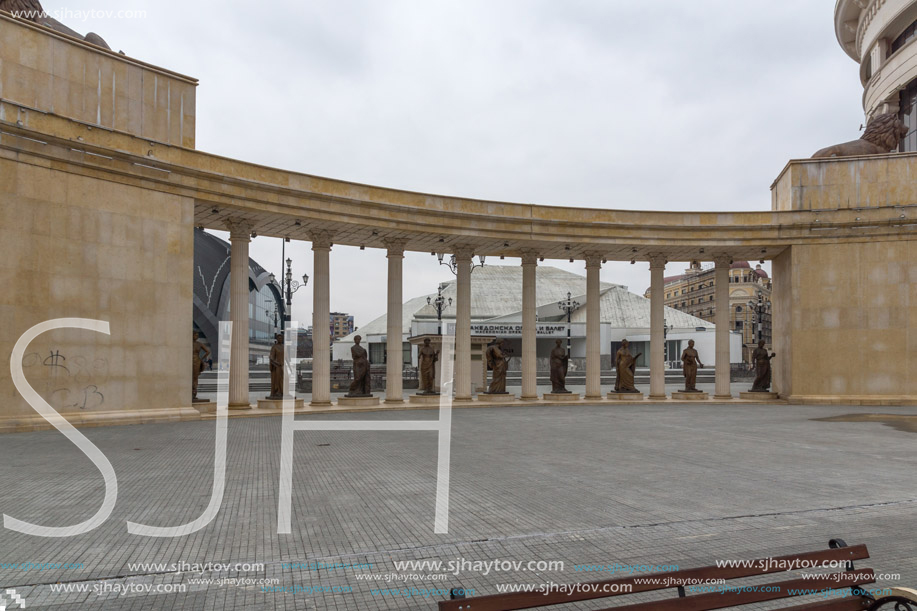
pixel 635 485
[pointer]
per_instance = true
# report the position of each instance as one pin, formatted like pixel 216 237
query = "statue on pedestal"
pixel 496 362
pixel 762 363
pixel 559 361
pixel 882 134
pixel 626 364
pixel 690 362
pixel 427 358
pixel 360 387
pixel 197 364
pixel 276 363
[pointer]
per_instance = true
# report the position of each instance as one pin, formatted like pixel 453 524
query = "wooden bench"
pixel 722 595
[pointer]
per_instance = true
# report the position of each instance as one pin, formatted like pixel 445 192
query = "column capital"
pixel 463 252
pixel 593 260
pixel 321 240
pixel 395 246
pixel 529 257
pixel 657 260
pixel 239 228
pixel 722 260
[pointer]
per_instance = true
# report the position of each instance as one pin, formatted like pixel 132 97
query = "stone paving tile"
pixel 648 484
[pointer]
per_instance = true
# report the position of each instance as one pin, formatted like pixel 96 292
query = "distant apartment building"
pixel 341 325
pixel 749 294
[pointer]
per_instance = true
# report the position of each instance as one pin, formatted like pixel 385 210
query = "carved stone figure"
pixel 427 358
pixel 762 363
pixel 882 135
pixel 276 363
pixel 690 362
pixel 496 362
pixel 31 10
pixel 360 387
pixel 626 364
pixel 559 362
pixel 197 363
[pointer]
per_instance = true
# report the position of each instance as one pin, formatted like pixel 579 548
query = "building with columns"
pixel 693 292
pixel 881 36
pixel 496 310
pixel 101 188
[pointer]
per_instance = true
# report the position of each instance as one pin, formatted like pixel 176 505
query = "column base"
pixel 758 396
pixel 496 397
pixel 561 397
pixel 240 406
pixel 428 399
pixel 462 399
pixel 278 404
pixel 357 401
pixel 625 396
pixel 653 397
pixel 320 404
pixel 723 397
pixel 690 396
pixel 393 401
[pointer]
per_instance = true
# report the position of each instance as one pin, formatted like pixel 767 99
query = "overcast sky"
pixel 656 104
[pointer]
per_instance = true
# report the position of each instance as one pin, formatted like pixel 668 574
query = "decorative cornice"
pixel 657 260
pixel 321 240
pixel 593 260
pixel 395 246
pixel 239 229
pixel 529 257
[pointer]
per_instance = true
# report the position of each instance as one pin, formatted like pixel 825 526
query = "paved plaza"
pixel 634 485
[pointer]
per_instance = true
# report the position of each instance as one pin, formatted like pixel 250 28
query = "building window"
pixel 738 309
pixel 905 37
pixel 908 114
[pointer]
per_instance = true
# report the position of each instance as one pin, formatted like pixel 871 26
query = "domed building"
pixel 211 297
pixel 881 36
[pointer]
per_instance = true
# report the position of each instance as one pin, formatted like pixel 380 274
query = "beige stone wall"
pixel 848 182
pixel 74 246
pixel 55 73
pixel 846 322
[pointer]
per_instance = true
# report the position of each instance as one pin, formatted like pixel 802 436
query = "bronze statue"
pixel 691 361
pixel 496 362
pixel 882 135
pixel 559 361
pixel 276 362
pixel 626 364
pixel 360 387
pixel 197 363
pixel 762 363
pixel 427 358
pixel 31 10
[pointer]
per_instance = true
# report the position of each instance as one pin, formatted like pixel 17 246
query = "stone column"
pixel 529 343
pixel 593 327
pixel 463 324
pixel 394 331
pixel 321 317
pixel 240 231
pixel 657 324
pixel 721 320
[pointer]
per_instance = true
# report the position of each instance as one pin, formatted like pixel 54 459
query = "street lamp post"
pixel 290 286
pixel 453 265
pixel 665 342
pixel 440 304
pixel 568 305
pixel 760 309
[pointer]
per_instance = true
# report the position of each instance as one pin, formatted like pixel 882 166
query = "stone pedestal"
pixel 561 397
pixel 357 401
pixel 758 396
pixel 625 396
pixel 278 404
pixel 496 397
pixel 690 396
pixel 425 399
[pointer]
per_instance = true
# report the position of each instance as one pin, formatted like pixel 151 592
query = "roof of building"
pixel 496 291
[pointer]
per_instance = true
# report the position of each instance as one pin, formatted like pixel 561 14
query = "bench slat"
pixel 715 600
pixel 840 604
pixel 529 600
